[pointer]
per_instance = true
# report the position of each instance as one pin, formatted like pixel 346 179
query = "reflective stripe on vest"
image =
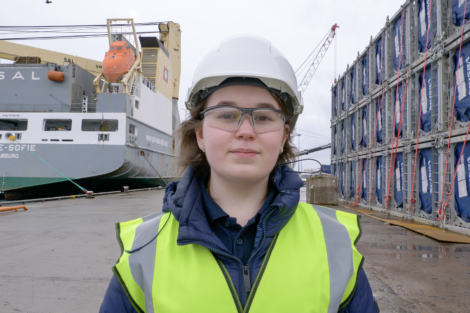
pixel 311 266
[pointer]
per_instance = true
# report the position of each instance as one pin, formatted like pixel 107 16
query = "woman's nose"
pixel 246 128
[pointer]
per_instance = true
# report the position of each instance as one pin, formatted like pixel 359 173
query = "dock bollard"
pixel 89 194
pixel 126 189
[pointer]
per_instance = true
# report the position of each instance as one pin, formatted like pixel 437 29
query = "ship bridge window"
pixel 57 125
pixel 99 125
pixel 112 48
pixel 132 129
pixel 13 124
pixel 119 48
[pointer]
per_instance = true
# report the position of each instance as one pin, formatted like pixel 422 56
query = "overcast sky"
pixel 293 26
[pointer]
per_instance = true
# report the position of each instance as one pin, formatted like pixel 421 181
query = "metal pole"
pixel 299 163
pixel 336 44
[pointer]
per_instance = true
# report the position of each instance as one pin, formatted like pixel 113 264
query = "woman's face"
pixel 241 155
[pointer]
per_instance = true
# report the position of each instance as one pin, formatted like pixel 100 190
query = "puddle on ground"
pixel 426 252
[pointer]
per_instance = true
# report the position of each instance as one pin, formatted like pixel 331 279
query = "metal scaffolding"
pixel 406 84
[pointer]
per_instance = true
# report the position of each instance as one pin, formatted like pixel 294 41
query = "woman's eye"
pixel 263 118
pixel 227 116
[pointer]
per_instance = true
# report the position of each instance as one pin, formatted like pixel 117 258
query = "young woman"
pixel 233 236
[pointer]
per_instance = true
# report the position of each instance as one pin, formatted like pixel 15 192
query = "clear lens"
pixel 229 118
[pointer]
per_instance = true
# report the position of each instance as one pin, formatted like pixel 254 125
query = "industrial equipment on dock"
pixel 400 116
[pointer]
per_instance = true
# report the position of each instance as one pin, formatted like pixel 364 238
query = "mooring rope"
pixel 12 138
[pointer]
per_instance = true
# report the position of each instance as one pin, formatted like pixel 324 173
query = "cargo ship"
pixel 102 127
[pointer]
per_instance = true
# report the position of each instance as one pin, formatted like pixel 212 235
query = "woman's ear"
pixel 286 134
pixel 200 139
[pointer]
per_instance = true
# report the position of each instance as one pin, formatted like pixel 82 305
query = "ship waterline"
pixel 130 153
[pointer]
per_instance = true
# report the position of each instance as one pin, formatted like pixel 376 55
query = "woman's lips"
pixel 244 153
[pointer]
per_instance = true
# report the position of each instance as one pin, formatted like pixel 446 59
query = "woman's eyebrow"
pixel 265 105
pixel 258 105
pixel 232 103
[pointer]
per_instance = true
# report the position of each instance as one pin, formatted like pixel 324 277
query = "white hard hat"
pixel 248 59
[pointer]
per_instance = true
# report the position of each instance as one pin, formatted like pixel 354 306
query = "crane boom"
pixel 170 37
pixel 307 151
pixel 317 59
pixel 10 50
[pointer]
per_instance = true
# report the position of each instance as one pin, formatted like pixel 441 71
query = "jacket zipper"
pixel 245 268
pixel 247 277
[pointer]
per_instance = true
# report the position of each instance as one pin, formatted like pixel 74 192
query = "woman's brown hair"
pixel 191 155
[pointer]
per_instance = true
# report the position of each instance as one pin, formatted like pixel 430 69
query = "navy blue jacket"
pixel 184 199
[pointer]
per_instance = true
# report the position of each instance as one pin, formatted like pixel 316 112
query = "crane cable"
pixel 443 207
pixel 412 199
pixel 77 36
pixel 392 160
pixel 81 26
pixel 82 31
pixel 13 138
pixel 336 47
pixel 323 39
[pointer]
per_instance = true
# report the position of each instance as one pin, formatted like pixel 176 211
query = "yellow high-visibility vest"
pixel 311 266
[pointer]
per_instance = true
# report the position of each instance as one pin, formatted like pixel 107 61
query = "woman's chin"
pixel 245 172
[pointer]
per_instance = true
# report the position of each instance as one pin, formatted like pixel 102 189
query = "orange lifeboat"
pixel 117 61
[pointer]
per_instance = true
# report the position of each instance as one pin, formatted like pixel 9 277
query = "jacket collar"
pixel 184 199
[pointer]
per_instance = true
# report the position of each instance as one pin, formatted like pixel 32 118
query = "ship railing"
pixel 146 82
pixel 55 107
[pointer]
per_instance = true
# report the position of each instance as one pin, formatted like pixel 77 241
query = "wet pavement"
pixel 409 272
pixel 57 257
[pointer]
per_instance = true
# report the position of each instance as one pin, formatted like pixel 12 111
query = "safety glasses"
pixel 229 118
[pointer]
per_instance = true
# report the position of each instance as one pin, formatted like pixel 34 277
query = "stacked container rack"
pixel 410 74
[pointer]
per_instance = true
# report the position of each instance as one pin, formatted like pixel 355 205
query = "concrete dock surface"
pixel 57 257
